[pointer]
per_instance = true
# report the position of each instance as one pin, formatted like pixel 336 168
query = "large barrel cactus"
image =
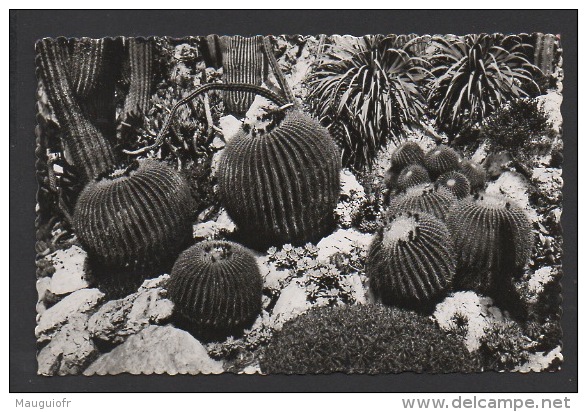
pixel 493 241
pixel 243 61
pixel 406 154
pixel 440 160
pixel 217 288
pixel 411 262
pixel 475 173
pixel 281 186
pixel 456 183
pixel 424 198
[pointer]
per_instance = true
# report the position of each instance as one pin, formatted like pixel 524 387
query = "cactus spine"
pixel 456 183
pixel 217 287
pixel 282 186
pixel 423 198
pixel 86 145
pixel 243 62
pixel 410 262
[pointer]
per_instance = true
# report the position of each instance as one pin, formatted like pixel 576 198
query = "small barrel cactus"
pixel 493 241
pixel 440 160
pixel 89 150
pixel 412 175
pixel 281 186
pixel 411 262
pixel 406 154
pixel 134 219
pixel 423 198
pixel 243 62
pixel 216 287
pixel 140 58
pixel 475 173
pixel 456 183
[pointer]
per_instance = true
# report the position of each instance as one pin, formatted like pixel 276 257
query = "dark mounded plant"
pixel 243 62
pixel 475 173
pixel 474 75
pixel 456 183
pixel 369 339
pixel 406 154
pixel 411 261
pixel 366 92
pixel 412 175
pixel 441 159
pixel 493 240
pixel 423 198
pixel 216 287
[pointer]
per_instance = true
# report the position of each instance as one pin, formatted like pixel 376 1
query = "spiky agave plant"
pixel 475 74
pixel 410 262
pixel 366 92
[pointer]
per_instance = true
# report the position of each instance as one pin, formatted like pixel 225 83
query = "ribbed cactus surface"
pixel 281 186
pixel 217 287
pixel 544 51
pixel 440 160
pixel 493 240
pixel 412 175
pixel 456 183
pixel 406 154
pixel 135 218
pixel 140 58
pixel 475 173
pixel 411 261
pixel 87 146
pixel 243 62
pixel 423 198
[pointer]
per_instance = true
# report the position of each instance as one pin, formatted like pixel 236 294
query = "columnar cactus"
pixel 440 160
pixel 406 154
pixel 217 287
pixel 141 58
pixel 412 175
pixel 84 143
pixel 281 186
pixel 544 50
pixel 475 173
pixel 135 218
pixel 243 62
pixel 410 262
pixel 423 198
pixel 493 241
pixel 456 183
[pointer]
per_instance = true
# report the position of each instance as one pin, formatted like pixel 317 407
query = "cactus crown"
pixel 424 198
pixel 441 159
pixel 217 288
pixel 456 183
pixel 406 154
pixel 402 228
pixel 412 175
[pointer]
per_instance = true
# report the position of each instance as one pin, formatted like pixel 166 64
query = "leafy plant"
pixel 365 339
pixel 366 92
pixel 474 75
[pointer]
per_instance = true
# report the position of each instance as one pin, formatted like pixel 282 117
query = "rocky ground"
pixel 78 331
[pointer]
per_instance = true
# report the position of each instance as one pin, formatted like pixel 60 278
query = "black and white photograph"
pixel 299 204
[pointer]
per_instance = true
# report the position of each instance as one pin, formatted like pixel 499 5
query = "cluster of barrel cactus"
pixel 444 235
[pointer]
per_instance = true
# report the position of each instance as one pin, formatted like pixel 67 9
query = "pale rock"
pixel 480 154
pixel 514 187
pixel 213 228
pixel 342 241
pixel 496 163
pixel 69 273
pixel 291 303
pixel 76 304
pixel 215 162
pixel 157 349
pixel 153 283
pixel 69 351
pixel 539 361
pixel 42 286
pixel 349 185
pixel 478 312
pixel 230 125
pixel 551 103
pixel 217 143
pixel 118 319
pixel 252 369
pixel 549 182
pixel 258 108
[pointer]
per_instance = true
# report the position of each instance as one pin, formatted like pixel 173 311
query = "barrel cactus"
pixel 281 186
pixel 424 198
pixel 243 62
pixel 217 288
pixel 134 219
pixel 475 173
pixel 406 154
pixel 412 175
pixel 440 160
pixel 456 183
pixel 411 262
pixel 493 240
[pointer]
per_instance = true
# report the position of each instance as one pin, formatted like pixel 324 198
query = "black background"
pixel 28 26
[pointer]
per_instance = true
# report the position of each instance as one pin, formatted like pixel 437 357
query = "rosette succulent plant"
pixel 217 288
pixel 411 261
